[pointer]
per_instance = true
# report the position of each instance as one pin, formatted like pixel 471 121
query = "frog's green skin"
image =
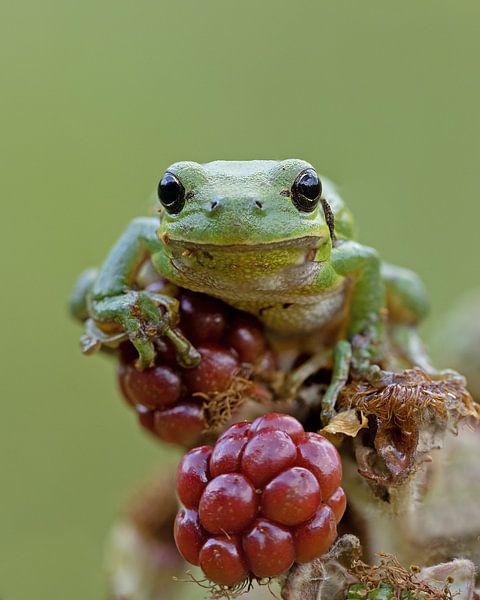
pixel 240 238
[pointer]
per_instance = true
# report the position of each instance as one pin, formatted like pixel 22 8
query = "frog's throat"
pixel 247 271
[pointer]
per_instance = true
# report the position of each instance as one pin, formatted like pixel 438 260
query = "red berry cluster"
pixel 164 397
pixel 265 496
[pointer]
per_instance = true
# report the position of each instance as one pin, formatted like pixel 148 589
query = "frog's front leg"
pixel 78 302
pixel 365 327
pixel 136 313
pixel 342 359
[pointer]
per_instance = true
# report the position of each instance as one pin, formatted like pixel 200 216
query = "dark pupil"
pixel 169 190
pixel 308 185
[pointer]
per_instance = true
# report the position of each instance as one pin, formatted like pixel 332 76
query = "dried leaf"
pixel 347 422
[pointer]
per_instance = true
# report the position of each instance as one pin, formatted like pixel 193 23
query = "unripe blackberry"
pixel 179 405
pixel 266 495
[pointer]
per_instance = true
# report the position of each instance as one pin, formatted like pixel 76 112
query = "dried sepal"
pixel 403 410
pixel 407 397
pixel 221 407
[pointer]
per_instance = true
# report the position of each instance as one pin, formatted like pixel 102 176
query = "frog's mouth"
pixel 307 243
pixel 250 270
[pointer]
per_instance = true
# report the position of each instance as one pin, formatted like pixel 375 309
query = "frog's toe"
pixel 186 354
pixel 89 344
pixel 327 415
pixel 329 401
pixel 146 353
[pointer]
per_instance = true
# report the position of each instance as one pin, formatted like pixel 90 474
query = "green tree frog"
pixel 268 237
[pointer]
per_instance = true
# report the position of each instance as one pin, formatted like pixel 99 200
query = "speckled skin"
pixel 240 238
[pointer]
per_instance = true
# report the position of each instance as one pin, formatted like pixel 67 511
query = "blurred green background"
pixel 98 97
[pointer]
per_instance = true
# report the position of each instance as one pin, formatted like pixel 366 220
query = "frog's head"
pixel 277 208
pixel 243 202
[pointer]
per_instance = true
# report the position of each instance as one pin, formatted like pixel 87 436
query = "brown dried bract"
pixel 391 572
pixel 220 407
pixel 399 407
pixel 409 395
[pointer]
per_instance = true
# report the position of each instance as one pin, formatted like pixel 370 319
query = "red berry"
pixel 252 488
pixel 237 429
pixel 338 503
pixel 215 371
pixel 146 417
pixel 189 535
pixel 121 373
pixel 228 504
pixel 193 475
pixel 246 337
pixel 222 561
pixel 227 455
pixel 166 353
pixel 320 456
pixel 266 454
pixel 269 548
pixel 127 353
pixel 181 424
pixel 315 537
pixel 203 318
pixel 279 422
pixel 292 497
pixel 154 388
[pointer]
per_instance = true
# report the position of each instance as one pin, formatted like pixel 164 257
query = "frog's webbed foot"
pixel 94 338
pixel 355 358
pixel 140 317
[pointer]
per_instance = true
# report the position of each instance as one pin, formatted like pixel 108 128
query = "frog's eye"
pixel 171 193
pixel 306 191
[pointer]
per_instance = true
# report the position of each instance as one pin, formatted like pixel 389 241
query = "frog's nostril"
pixel 258 204
pixel 214 205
